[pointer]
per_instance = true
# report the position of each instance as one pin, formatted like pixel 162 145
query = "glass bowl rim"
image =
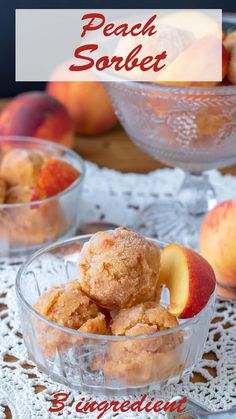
pixel 43 142
pixel 150 87
pixel 188 322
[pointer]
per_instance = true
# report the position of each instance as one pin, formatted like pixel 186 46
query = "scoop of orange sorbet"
pixel 119 268
pixel 21 167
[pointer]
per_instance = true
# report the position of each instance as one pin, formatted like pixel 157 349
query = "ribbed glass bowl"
pixel 25 227
pixel 188 127
pixel 99 363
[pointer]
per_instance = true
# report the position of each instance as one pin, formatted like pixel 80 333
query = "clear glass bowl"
pixel 98 363
pixel 189 127
pixel 25 227
pixel 193 128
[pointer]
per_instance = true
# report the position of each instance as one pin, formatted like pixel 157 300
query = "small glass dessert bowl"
pixel 30 220
pixel 100 363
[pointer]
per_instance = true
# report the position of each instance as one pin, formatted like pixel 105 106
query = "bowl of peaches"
pixel 40 190
pixel 115 311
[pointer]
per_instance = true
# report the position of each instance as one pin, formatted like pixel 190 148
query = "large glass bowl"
pixel 99 363
pixel 193 128
pixel 25 227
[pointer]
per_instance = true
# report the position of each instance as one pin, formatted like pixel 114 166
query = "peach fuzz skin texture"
pixel 187 274
pixel 36 114
pixel 218 242
pixel 87 103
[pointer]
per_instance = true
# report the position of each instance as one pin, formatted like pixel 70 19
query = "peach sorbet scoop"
pixel 21 167
pixel 119 268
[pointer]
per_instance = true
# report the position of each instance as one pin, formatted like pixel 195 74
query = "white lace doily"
pixel 115 197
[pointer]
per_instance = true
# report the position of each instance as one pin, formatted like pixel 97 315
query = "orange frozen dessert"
pixel 21 167
pixel 119 268
pixel 32 225
pixel 18 194
pixel 147 359
pixel 149 314
pixel 27 175
pixel 67 306
pixel 116 294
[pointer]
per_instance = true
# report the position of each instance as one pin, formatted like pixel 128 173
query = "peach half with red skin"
pixel 36 114
pixel 56 175
pixel 218 245
pixel 189 278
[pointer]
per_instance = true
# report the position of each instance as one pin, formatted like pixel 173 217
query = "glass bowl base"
pixel 170 221
pixel 112 391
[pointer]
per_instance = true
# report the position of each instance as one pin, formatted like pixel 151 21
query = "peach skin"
pixel 189 278
pixel 218 245
pixel 87 103
pixel 56 176
pixel 232 65
pixel 225 62
pixel 36 114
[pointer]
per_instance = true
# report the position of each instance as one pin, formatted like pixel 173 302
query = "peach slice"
pixel 56 176
pixel 189 278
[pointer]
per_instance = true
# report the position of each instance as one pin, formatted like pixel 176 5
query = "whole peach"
pixel 36 114
pixel 218 243
pixel 87 103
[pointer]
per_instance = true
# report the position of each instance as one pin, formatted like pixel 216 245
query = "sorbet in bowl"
pixel 40 190
pixel 81 334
